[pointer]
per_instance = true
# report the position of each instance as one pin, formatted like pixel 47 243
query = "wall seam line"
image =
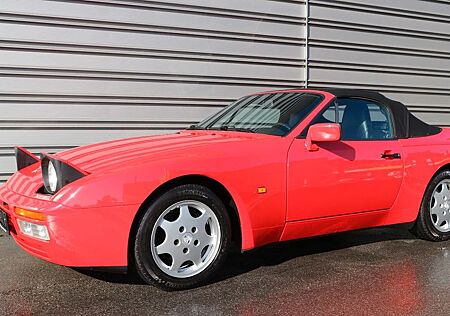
pixel 307 44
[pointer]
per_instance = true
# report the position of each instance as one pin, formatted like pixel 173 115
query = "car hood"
pixel 131 151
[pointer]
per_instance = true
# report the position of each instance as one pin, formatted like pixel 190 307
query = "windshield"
pixel 272 113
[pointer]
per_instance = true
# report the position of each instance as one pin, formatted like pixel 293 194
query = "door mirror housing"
pixel 323 132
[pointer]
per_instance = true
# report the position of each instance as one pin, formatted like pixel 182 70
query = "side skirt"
pixel 334 224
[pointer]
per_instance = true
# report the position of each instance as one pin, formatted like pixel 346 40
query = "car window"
pixel 267 117
pixel 326 116
pixel 270 113
pixel 362 119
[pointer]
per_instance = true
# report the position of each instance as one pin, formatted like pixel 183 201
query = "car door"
pixel 360 173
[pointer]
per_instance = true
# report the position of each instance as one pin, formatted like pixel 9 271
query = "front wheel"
pixel 182 238
pixel 433 222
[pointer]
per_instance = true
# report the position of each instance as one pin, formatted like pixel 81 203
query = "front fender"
pixel 262 216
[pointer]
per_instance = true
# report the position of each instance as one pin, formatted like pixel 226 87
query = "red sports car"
pixel 270 167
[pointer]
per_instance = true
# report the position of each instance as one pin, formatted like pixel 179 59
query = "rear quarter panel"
pixel 423 157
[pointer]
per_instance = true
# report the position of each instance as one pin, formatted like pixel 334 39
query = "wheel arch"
pixel 214 185
pixel 444 167
pixel 440 169
pixel 423 226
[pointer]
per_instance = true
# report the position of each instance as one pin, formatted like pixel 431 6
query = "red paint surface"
pixel 343 185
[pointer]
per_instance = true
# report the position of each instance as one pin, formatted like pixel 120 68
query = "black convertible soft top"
pixel 406 124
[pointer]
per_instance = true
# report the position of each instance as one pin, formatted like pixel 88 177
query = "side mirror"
pixel 323 132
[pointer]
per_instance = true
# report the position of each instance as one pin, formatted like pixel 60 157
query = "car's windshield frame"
pixel 294 105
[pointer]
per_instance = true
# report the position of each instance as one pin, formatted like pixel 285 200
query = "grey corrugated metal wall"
pixel 401 48
pixel 74 72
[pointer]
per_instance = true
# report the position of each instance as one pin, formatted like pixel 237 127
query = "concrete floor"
pixel 372 272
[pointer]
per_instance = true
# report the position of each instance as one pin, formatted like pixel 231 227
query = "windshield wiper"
pixel 234 128
pixel 222 128
pixel 196 127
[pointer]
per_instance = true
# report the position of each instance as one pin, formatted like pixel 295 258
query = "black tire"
pixel 424 227
pixel 145 264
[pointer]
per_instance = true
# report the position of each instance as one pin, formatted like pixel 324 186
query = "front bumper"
pixel 79 237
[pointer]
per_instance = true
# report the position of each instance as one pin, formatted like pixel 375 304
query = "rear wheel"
pixel 433 222
pixel 183 238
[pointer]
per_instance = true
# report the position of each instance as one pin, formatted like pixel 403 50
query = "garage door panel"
pixel 441 118
pixel 174 88
pixel 143 66
pixel 9 164
pixel 399 23
pixel 409 62
pixel 422 99
pixel 48 138
pixel 382 40
pixel 25 114
pixel 413 6
pixel 144 44
pixel 386 79
pixel 67 13
pixel 284 8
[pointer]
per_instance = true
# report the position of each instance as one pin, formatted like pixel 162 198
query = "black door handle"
pixel 391 156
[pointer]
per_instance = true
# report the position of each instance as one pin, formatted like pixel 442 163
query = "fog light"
pixel 33 230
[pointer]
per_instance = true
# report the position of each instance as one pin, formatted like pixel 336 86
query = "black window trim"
pixel 325 108
pixel 321 97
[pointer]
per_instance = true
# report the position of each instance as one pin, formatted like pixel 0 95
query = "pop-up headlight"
pixel 24 158
pixel 56 173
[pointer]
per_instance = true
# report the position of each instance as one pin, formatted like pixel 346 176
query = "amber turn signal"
pixel 262 190
pixel 30 214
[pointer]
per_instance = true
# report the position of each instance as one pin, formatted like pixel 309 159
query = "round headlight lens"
pixel 52 177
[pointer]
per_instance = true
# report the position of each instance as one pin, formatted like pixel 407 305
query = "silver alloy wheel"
pixel 185 239
pixel 440 206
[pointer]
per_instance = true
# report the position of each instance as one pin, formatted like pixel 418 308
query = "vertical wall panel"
pixel 400 48
pixel 76 72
